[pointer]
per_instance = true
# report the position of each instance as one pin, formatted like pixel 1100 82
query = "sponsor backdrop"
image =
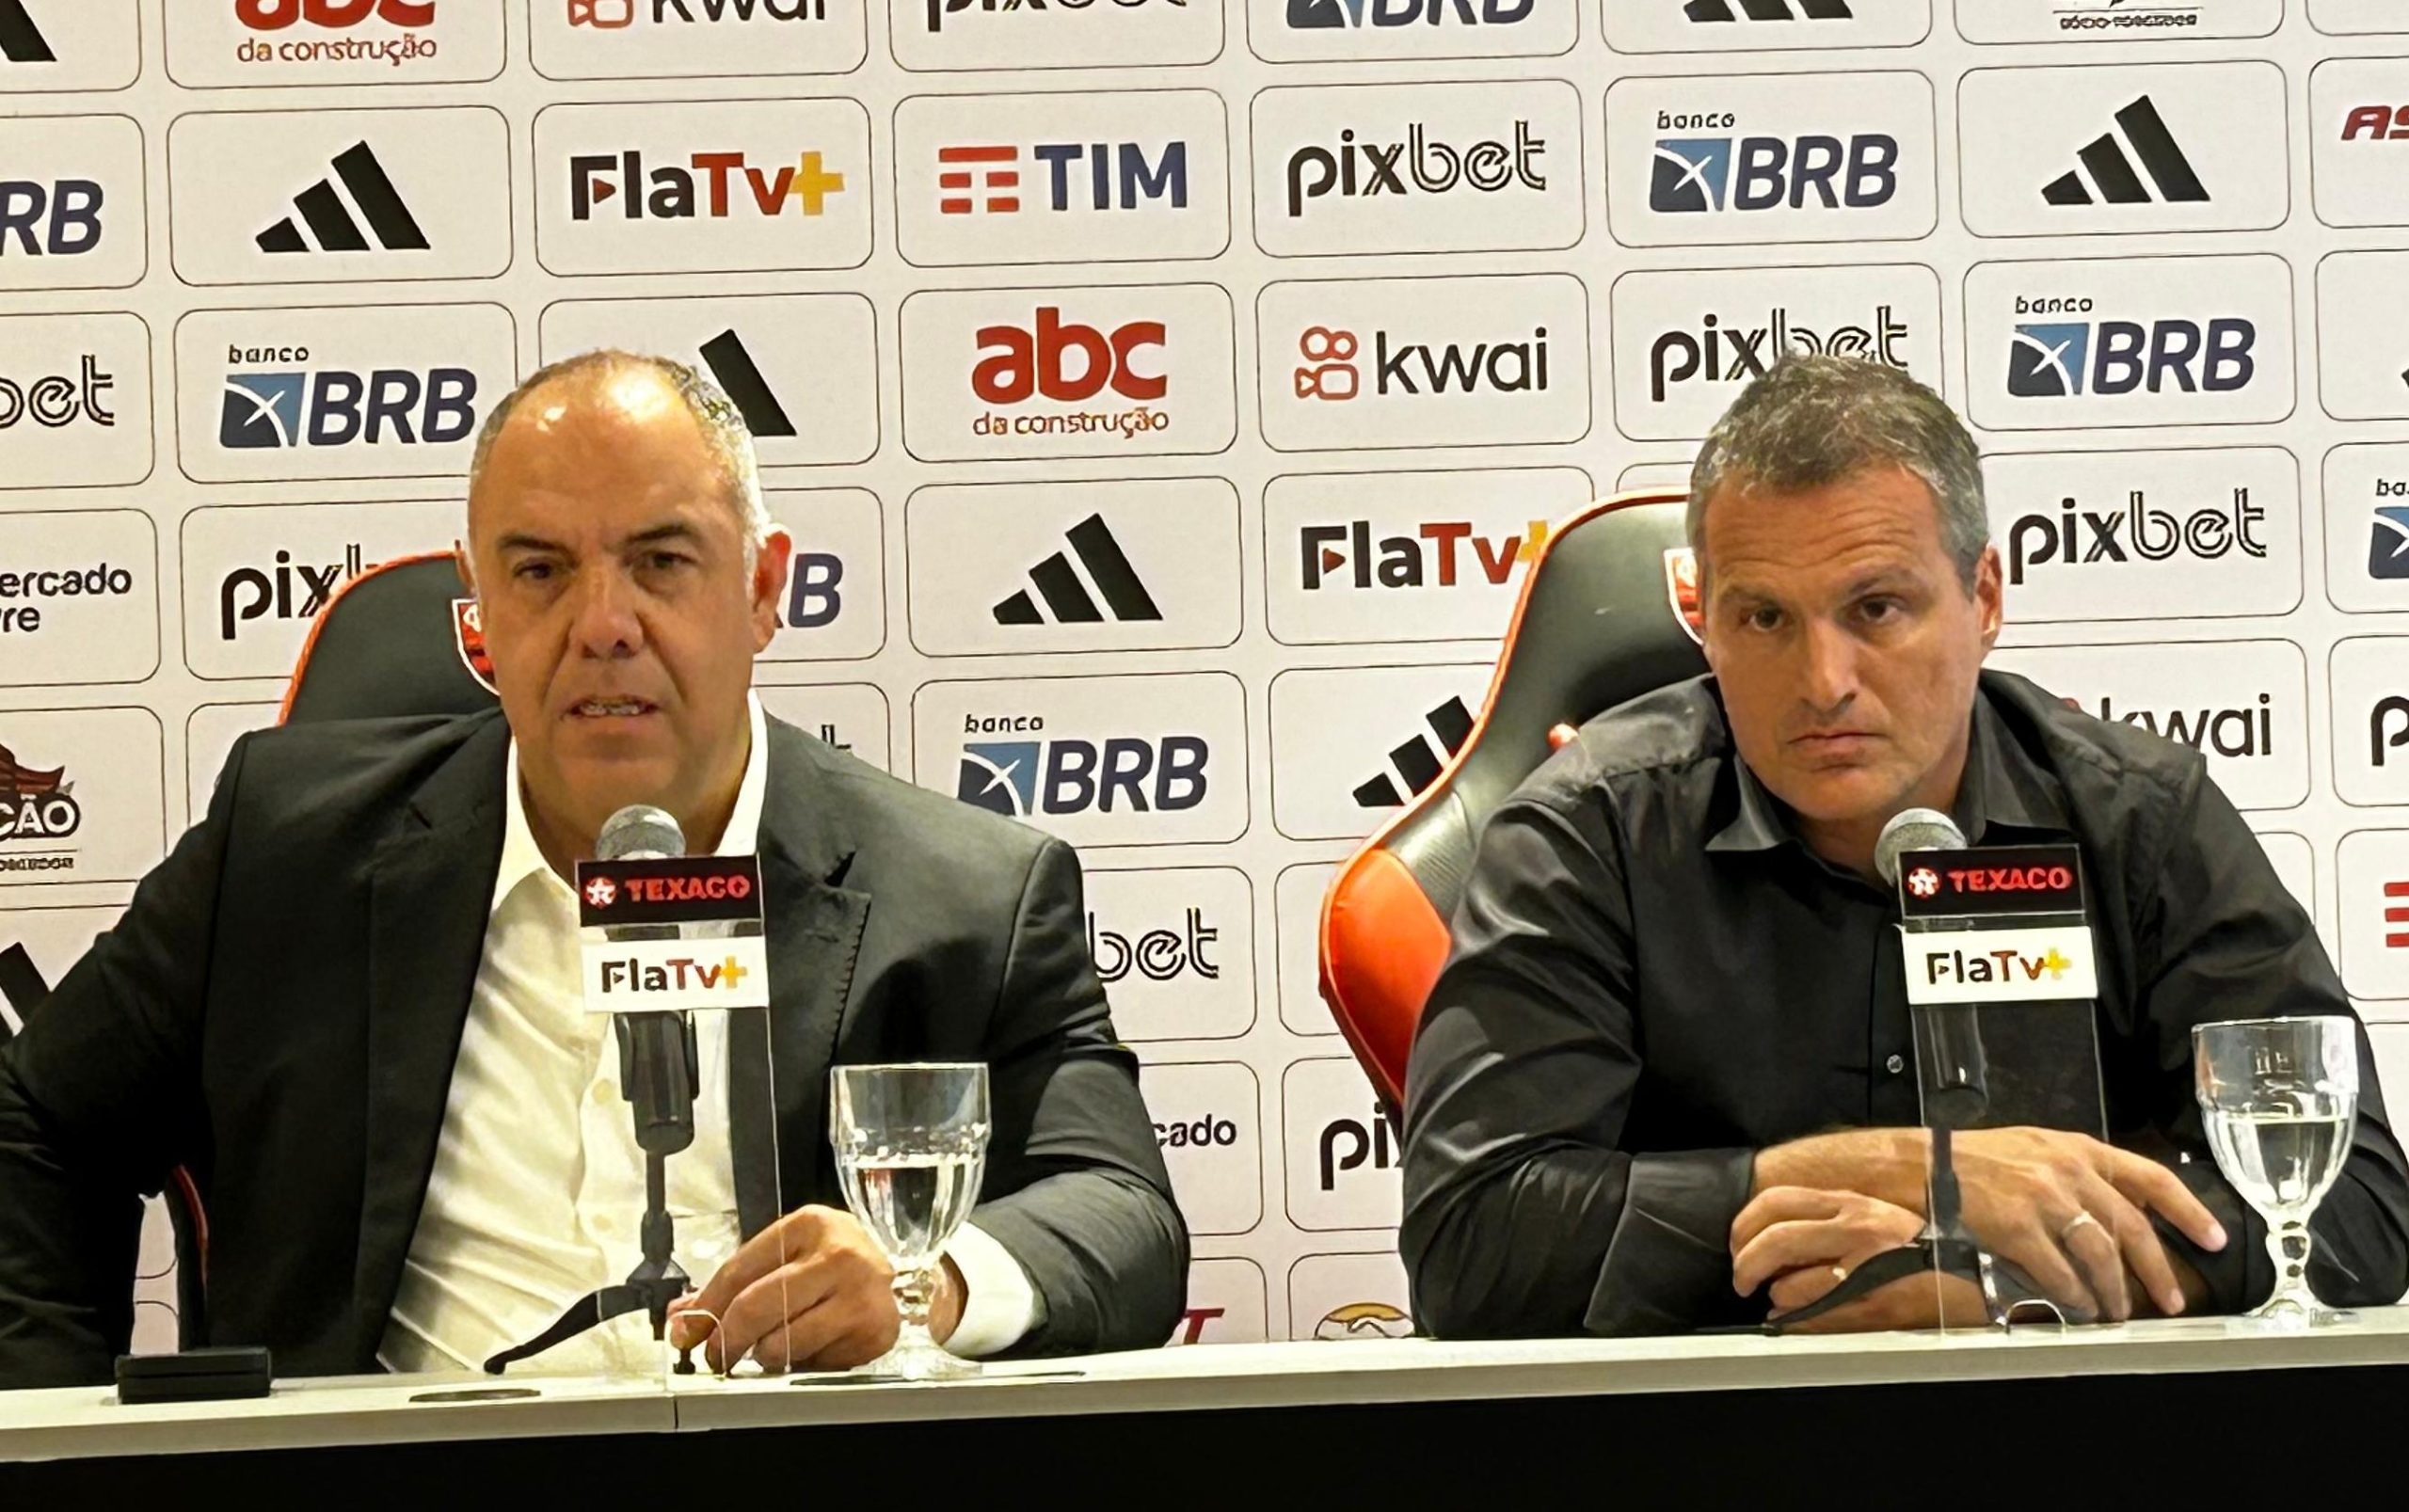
pixel 1167 397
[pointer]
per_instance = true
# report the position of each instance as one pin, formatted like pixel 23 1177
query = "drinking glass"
pixel 911 1145
pixel 2279 1097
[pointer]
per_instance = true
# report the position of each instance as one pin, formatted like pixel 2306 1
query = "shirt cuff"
pixel 1669 1264
pixel 999 1305
pixel 2241 1273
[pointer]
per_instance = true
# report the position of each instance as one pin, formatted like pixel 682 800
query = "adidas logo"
pixel 1768 10
pixel 2112 171
pixel 1066 597
pixel 20 40
pixel 330 220
pixel 20 985
pixel 1418 760
pixel 738 376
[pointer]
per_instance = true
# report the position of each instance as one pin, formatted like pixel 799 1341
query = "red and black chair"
pixel 1608 611
pixel 401 638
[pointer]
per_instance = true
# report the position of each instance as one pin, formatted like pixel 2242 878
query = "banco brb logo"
pixel 2065 359
pixel 1024 778
pixel 1704 175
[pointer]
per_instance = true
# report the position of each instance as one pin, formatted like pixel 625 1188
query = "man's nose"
pixel 1828 678
pixel 607 624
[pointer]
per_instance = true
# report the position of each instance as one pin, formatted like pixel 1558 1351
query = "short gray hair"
pixel 1811 420
pixel 721 421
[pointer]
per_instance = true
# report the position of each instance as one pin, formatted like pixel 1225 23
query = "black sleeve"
pixel 2221 938
pixel 1523 1214
pixel 99 1103
pixel 1076 1189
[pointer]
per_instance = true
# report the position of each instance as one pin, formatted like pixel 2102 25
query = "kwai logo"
pixel 1060 754
pixel 1428 362
pixel 2135 342
pixel 673 38
pixel 2102 535
pixel 1715 160
pixel 726 185
pixel 2142 147
pixel 2242 704
pixel 1068 372
pixel 1357 168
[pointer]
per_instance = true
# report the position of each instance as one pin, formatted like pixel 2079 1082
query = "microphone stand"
pixel 657 1071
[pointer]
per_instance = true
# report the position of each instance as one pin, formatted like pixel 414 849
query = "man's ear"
pixel 768 585
pixel 1989 596
pixel 460 566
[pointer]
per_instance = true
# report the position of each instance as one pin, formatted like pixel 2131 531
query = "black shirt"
pixel 1652 978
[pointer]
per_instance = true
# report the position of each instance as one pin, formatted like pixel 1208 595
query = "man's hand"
pixel 1805 1241
pixel 2074 1213
pixel 810 1292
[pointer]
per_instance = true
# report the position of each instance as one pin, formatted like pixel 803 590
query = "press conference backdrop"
pixel 1167 397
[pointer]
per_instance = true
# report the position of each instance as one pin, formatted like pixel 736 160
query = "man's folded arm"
pixel 2222 939
pixel 97 1099
pixel 1521 1215
pixel 1085 1202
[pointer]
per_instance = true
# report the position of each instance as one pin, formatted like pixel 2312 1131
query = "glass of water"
pixel 2279 1097
pixel 910 1144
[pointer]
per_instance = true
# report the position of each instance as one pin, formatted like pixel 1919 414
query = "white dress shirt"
pixel 538 1185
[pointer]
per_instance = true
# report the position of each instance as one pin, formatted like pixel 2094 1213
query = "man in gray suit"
pixel 347 1004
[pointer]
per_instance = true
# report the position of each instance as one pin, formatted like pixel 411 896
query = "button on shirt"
pixel 1652 978
pixel 539 1186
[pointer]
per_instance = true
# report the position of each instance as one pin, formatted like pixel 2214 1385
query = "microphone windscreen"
pixel 1914 829
pixel 639 830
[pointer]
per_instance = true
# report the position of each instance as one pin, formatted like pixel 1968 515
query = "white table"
pixel 355 1412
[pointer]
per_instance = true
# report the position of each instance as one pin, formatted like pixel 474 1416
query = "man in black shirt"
pixel 1667 1077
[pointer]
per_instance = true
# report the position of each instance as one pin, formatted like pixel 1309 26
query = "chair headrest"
pixel 399 639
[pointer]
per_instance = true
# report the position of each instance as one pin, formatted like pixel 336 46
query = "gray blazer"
pixel 279 1009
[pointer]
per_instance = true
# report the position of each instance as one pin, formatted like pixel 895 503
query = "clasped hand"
pixel 2073 1213
pixel 810 1292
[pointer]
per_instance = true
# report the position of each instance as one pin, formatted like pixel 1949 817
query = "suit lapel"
pixel 429 890
pixel 814 929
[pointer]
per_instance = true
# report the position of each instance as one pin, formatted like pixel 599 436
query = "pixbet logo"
pixel 1063 775
pixel 705 186
pixel 286 589
pixel 57 401
pixel 1417 165
pixel 1346 1144
pixel 986 179
pixel 1433 555
pixel 1329 371
pixel 57 218
pixel 335 406
pixel 939 10
pixel 1329 15
pixel 1704 175
pixel 2387 728
pixel 2107 358
pixel 1723 353
pixel 2082 536
pixel 1158 954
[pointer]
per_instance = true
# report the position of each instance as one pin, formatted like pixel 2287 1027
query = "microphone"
pixel 1914 829
pixel 657 1058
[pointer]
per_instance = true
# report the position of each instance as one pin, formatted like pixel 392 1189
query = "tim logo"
pixel 986 179
pixel 2120 357
pixel 1067 598
pixel 741 379
pixel 20 40
pixel 1022 779
pixel 1705 175
pixel 327 211
pixel 1331 15
pixel 707 186
pixel 263 411
pixel 2117 176
pixel 1767 11
pixel 1418 762
pixel 1329 370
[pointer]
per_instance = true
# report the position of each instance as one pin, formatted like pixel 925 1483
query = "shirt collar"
pixel 2000 789
pixel 521 857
